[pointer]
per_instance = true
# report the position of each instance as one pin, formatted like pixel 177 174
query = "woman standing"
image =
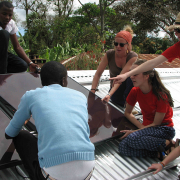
pixel 156 105
pixel 119 60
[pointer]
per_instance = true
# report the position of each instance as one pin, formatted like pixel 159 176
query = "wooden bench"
pixel 36 61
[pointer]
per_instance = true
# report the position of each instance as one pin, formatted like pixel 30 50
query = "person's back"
pixel 60 116
pixel 61 120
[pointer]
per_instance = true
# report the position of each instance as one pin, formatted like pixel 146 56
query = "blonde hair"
pixel 129 29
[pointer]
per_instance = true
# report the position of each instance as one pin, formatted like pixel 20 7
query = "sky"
pixel 22 16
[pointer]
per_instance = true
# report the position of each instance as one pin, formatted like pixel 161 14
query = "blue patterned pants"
pixel 145 142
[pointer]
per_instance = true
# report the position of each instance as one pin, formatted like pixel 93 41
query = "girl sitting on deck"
pixel 156 132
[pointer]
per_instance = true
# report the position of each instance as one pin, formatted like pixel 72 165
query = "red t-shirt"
pixel 149 105
pixel 172 52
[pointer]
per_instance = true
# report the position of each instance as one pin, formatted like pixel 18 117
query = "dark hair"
pixel 52 73
pixel 158 87
pixel 6 3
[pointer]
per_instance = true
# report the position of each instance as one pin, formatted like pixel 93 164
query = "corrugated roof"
pixel 174 64
pixel 109 164
pixel 14 173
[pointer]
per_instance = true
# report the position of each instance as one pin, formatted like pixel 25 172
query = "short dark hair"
pixel 7 4
pixel 52 73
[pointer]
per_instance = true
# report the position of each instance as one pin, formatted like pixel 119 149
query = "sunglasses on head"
pixel 120 44
pixel 177 30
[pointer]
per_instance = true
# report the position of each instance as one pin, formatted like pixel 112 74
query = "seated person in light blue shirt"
pixel 63 149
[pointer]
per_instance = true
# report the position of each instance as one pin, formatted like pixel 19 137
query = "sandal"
pixel 161 151
pixel 177 142
pixel 165 151
pixel 169 147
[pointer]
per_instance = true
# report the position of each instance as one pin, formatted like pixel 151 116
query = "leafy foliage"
pixel 67 33
pixel 58 53
pixel 88 60
pixel 22 43
pixel 151 15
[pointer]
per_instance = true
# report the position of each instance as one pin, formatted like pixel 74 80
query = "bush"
pixel 88 60
pixel 85 61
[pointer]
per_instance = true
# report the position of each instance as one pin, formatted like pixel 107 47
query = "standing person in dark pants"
pixel 10 63
pixel 63 150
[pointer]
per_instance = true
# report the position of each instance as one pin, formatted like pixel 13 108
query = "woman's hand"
pixel 127 132
pixel 157 166
pixel 106 98
pixel 119 79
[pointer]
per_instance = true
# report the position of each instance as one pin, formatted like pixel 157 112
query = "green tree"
pixel 37 6
pixel 150 15
pixel 38 34
pixel 96 14
pixel 62 7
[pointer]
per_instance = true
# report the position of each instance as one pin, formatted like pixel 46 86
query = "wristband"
pixel 30 63
pixel 95 89
pixel 162 164
pixel 109 94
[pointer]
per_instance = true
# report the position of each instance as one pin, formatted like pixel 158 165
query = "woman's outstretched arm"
pixel 142 68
